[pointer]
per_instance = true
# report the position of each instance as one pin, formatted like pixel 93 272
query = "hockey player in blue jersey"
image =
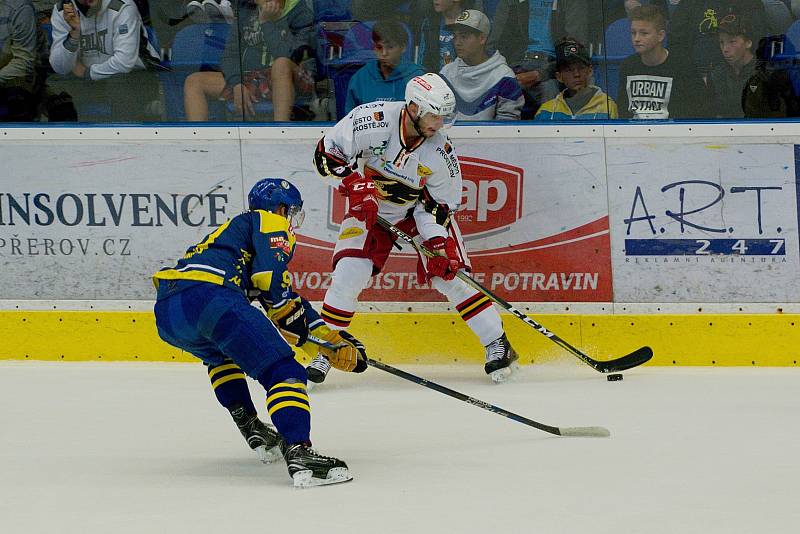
pixel 203 307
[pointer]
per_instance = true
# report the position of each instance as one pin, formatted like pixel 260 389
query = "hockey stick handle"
pixel 582 431
pixel 603 367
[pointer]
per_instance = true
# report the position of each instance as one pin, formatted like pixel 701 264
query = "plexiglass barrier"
pixel 128 61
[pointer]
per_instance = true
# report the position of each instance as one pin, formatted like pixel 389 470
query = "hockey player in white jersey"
pixel 411 177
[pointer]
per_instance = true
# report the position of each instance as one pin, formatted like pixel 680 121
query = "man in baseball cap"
pixel 485 86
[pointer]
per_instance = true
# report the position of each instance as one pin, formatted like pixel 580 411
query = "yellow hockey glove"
pixel 349 355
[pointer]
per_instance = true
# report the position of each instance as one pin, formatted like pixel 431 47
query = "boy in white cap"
pixel 485 86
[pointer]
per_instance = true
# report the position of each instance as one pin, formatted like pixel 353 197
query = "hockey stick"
pixel 637 357
pixel 574 431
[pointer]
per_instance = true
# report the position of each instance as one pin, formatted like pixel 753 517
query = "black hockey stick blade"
pixel 634 359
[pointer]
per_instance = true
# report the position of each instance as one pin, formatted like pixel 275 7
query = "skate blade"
pixel 268 456
pixel 503 375
pixel 306 479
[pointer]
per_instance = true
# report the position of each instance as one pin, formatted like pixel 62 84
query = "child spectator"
pixel 693 29
pixel 580 100
pixel 654 83
pixel 384 78
pixel 267 57
pixel 485 87
pixel 727 80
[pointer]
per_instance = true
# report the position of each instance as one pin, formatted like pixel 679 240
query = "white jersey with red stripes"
pixel 400 168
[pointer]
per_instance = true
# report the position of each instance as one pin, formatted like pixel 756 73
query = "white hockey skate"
pixel 316 371
pixel 501 360
pixel 308 468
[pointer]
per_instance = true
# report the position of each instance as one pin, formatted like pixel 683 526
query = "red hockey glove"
pixel 447 262
pixel 360 193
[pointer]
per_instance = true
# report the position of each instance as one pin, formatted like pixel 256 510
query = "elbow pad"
pixel 328 164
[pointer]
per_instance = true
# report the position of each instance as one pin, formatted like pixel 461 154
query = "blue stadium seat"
pixel 331 10
pixel 489 7
pixel 197 47
pixel 788 56
pixel 341 79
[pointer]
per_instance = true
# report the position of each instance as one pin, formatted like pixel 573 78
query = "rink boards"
pixel 683 237
pixel 437 338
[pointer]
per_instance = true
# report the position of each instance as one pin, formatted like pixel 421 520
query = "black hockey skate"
pixel 308 468
pixel 262 438
pixel 501 359
pixel 317 370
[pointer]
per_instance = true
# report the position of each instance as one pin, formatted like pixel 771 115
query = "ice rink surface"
pixel 144 448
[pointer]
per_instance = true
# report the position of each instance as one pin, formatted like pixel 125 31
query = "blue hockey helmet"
pixel 269 194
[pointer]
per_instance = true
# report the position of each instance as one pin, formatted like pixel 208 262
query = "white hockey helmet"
pixel 432 94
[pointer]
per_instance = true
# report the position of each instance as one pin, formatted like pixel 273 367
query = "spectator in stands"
pixel 727 80
pixel 586 20
pixel 769 92
pixel 18 61
pixel 522 32
pixel 580 100
pixel 102 48
pixel 436 47
pixel 384 78
pixel 693 29
pixel 268 58
pixel 485 87
pixel 654 82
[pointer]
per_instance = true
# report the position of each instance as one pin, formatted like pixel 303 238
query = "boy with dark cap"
pixel 580 100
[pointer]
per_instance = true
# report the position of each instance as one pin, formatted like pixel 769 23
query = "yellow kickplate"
pixel 436 338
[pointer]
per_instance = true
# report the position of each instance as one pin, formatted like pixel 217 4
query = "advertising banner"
pixel 94 220
pixel 534 219
pixel 700 221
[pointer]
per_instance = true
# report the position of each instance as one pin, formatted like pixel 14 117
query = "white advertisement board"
pixel 545 219
pixel 94 220
pixel 702 220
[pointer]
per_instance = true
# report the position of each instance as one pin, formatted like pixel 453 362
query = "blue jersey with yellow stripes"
pixel 250 251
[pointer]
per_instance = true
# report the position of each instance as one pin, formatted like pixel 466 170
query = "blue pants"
pixel 214 322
